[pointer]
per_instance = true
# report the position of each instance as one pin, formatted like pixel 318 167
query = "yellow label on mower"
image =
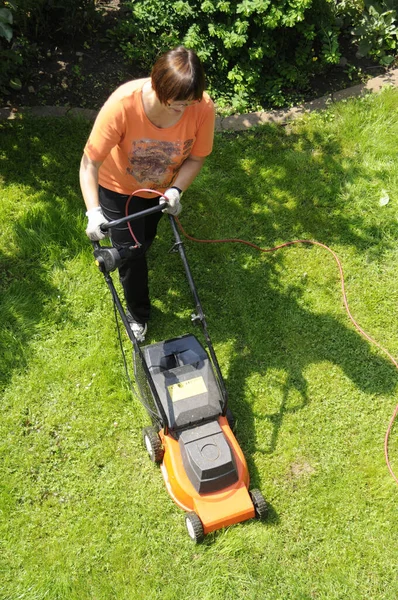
pixel 187 389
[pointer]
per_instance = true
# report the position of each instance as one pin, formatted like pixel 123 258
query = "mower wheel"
pixel 153 444
pixel 194 527
pixel 260 505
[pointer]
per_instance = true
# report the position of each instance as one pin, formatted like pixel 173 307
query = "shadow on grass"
pixel 269 332
pixel 39 160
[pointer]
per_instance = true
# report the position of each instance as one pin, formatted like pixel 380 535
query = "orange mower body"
pixel 228 506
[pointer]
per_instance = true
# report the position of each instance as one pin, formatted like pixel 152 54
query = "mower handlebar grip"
pixel 139 215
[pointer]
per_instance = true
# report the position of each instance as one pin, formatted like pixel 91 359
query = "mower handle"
pixel 143 213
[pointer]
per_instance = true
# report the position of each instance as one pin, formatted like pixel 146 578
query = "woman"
pixel 152 133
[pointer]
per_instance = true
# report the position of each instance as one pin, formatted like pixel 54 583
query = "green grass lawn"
pixel 84 514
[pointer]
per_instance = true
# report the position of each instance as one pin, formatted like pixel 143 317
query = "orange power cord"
pixel 356 325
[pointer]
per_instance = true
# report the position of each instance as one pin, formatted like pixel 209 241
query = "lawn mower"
pixel 191 436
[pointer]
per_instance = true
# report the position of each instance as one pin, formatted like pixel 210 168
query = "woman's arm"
pixel 89 185
pixel 89 181
pixel 189 170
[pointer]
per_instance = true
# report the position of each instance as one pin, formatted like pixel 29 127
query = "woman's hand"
pixel 95 220
pixel 172 197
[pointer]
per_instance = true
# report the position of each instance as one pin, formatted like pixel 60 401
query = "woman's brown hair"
pixel 178 75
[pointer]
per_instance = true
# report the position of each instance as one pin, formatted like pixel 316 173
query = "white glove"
pixel 95 220
pixel 172 197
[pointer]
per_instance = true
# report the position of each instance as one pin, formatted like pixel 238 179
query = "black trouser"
pixel 134 272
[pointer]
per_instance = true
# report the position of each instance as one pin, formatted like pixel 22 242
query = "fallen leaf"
pixel 385 198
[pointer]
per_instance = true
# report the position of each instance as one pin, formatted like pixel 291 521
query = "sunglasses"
pixel 182 104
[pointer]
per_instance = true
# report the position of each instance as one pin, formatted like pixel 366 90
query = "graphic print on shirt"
pixel 155 163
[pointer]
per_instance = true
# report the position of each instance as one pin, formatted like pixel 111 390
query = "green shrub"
pixel 375 30
pixel 256 52
pixel 6 21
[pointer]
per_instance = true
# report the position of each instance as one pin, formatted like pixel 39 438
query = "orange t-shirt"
pixel 135 153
